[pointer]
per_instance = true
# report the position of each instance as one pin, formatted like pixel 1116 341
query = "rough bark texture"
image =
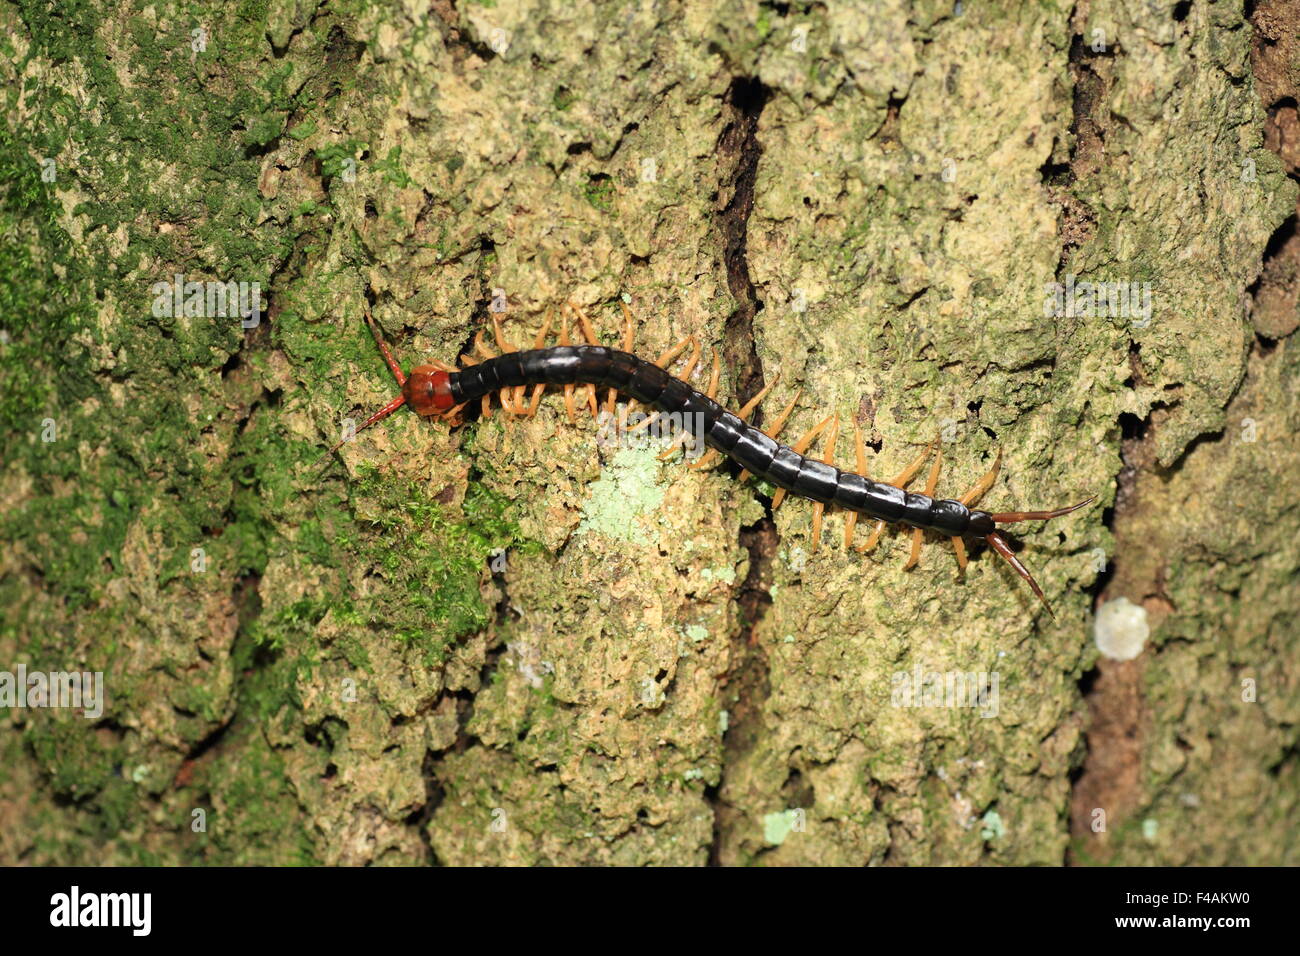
pixel 870 201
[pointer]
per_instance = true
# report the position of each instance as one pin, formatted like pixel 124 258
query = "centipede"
pixel 442 391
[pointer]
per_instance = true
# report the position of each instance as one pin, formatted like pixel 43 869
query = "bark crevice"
pixel 746 683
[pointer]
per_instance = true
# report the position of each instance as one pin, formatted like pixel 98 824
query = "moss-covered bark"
pixel 505 644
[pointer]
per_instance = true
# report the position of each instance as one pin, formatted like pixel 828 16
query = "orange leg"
pixel 670 356
pixel 506 395
pixel 711 392
pixel 748 408
pixel 585 324
pixel 685 376
pixel 970 497
pixel 452 415
pixel 502 344
pixel 628 326
pixel 800 447
pixel 536 399
pixel 486 353
pixel 930 485
pixel 693 361
pixel 714 377
pixel 819 508
pixel 901 481
pixel 508 403
pixel 663 362
pixel 774 430
pixel 984 484
pixel 568 389
pixel 612 398
pixel 589 334
pixel 860 450
pixel 743 415
pixel 688 371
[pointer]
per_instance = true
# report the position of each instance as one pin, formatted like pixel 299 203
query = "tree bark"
pixel 1062 233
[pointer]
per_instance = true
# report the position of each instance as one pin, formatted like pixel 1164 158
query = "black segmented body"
pixel 746 445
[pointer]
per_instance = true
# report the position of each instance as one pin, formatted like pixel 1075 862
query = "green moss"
pixel 390 167
pixel 563 98
pixel 435 561
pixel 114 506
pixel 258 821
pixel 599 191
pixel 334 157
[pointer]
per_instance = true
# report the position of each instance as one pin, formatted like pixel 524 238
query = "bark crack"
pixel 1110 778
pixel 746 681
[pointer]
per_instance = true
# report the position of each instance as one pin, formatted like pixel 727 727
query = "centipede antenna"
pixel 1011 517
pixel 383 348
pixel 999 544
pixel 384 412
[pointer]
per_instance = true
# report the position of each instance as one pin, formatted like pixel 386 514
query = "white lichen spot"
pixel 696 632
pixel 963 811
pixel 777 826
pixel 695 773
pixel 724 721
pixel 1150 827
pixel 139 774
pixel 992 827
pixel 627 489
pixel 528 662
pixel 797 559
pixel 1121 629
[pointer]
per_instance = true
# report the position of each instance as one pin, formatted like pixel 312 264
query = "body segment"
pixel 723 431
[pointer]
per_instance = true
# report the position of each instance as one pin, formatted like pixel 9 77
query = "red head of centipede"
pixel 428 390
